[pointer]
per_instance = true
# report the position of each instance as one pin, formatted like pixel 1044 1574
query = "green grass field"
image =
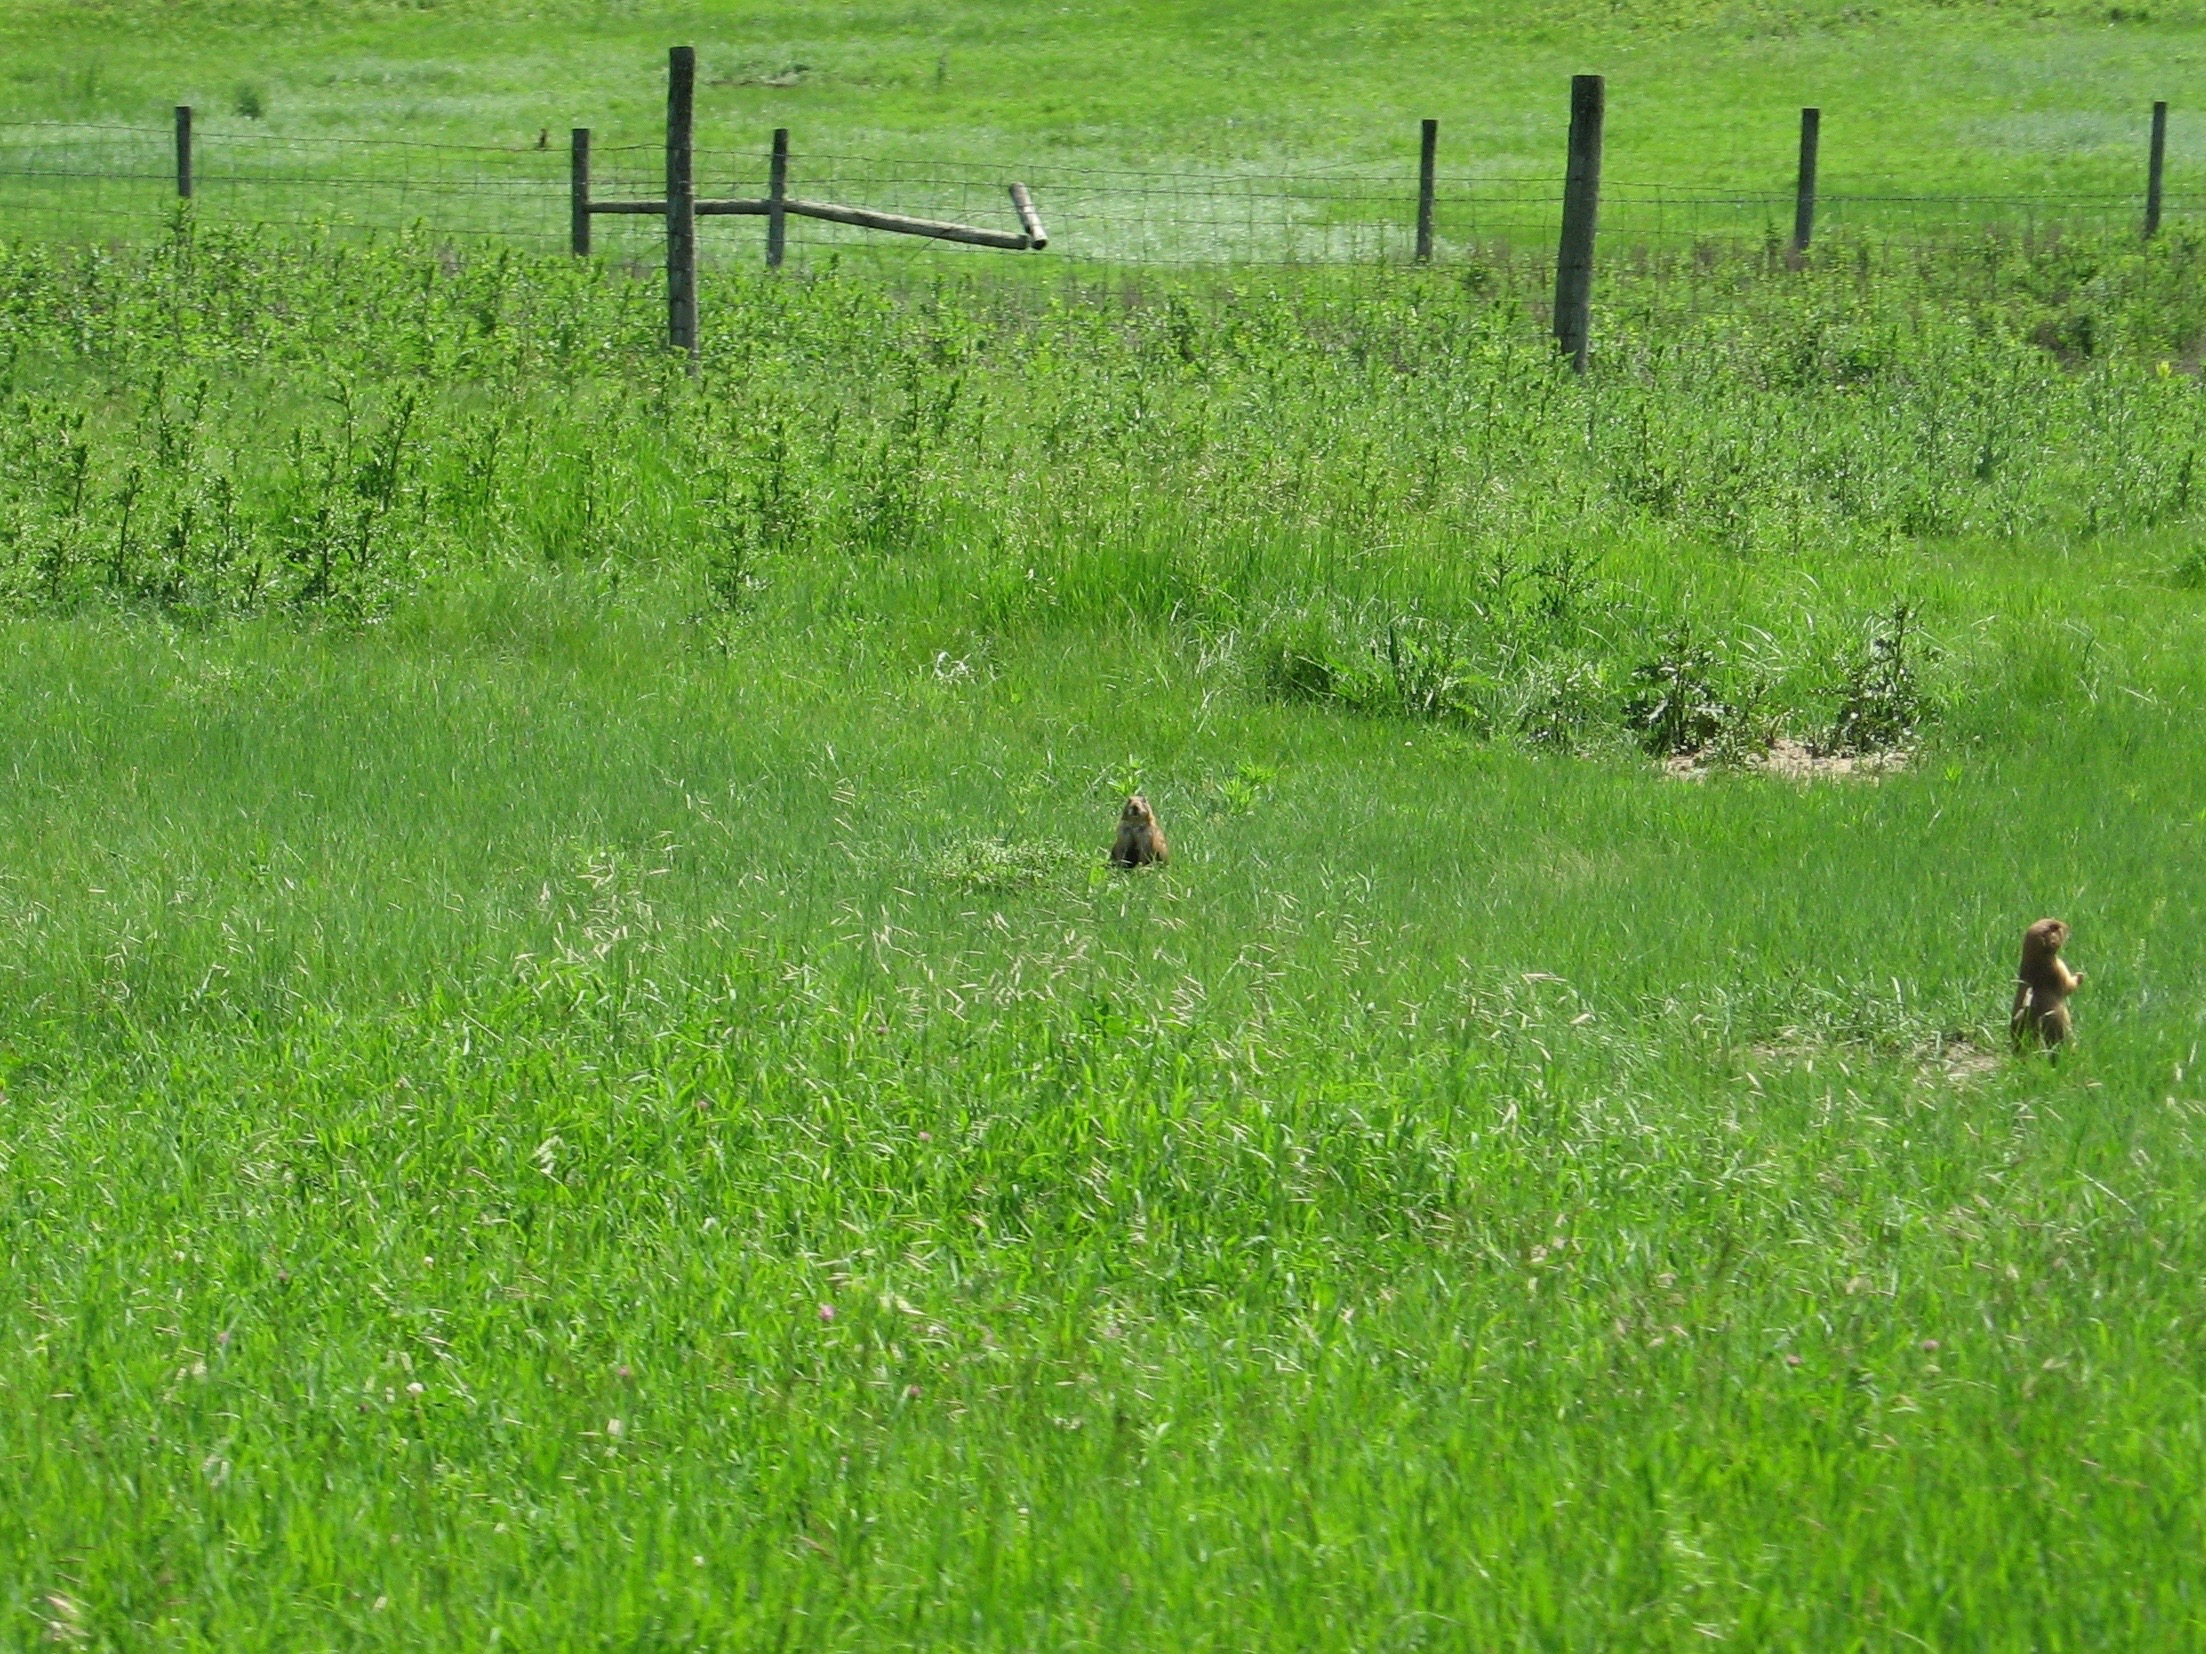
pixel 1471 1198
pixel 1271 132
pixel 571 1073
pixel 2048 96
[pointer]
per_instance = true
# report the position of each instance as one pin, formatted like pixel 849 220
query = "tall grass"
pixel 1378 486
pixel 573 1076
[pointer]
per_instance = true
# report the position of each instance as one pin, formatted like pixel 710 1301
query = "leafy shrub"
pixel 1750 729
pixel 1881 702
pixel 1676 708
pixel 1430 674
pixel 1562 704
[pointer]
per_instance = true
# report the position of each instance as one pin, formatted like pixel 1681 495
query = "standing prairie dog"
pixel 2042 985
pixel 1140 840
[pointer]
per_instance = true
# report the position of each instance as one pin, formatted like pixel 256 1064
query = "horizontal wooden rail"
pixel 864 218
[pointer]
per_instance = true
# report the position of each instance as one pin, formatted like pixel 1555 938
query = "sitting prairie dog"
pixel 1140 840
pixel 2042 985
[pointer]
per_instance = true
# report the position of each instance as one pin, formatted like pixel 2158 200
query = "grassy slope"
pixel 1967 98
pixel 1368 1223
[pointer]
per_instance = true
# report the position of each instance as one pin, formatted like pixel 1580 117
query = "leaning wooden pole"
pixel 1803 199
pixel 1581 207
pixel 2156 166
pixel 681 200
pixel 1030 221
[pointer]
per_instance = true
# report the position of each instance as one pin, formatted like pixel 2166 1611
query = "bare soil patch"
pixel 1790 760
pixel 1948 1059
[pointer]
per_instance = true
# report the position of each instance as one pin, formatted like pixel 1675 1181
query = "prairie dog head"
pixel 1137 813
pixel 2043 941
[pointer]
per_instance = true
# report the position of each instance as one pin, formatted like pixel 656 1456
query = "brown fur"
pixel 2042 986
pixel 1140 840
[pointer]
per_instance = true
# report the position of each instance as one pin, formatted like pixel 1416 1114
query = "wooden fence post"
pixel 2155 168
pixel 1428 148
pixel 681 200
pixel 578 180
pixel 183 151
pixel 1803 201
pixel 777 195
pixel 1581 206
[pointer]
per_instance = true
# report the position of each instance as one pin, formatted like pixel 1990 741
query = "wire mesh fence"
pixel 79 182
pixel 66 182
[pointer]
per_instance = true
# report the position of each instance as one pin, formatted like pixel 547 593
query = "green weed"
pixel 1882 702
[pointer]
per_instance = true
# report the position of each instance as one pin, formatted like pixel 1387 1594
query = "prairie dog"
pixel 1140 840
pixel 2042 985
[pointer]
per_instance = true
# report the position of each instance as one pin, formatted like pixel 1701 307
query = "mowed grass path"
pixel 523 1127
pixel 1917 96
